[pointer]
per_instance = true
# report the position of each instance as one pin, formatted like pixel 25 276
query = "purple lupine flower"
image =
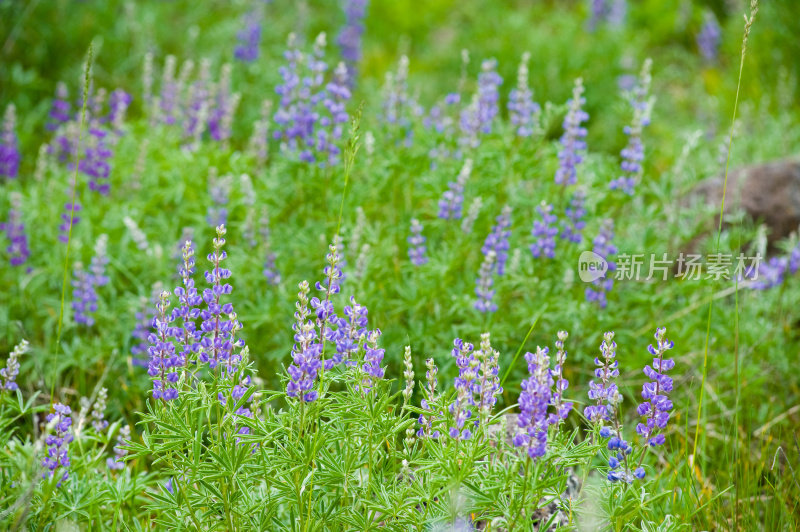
pixel 610 12
pixel 349 39
pixel 452 202
pixel 323 308
pixel 561 407
pixel 69 218
pixel 94 162
pixel 120 450
pixel 604 392
pixel 270 270
pixel 618 468
pixel 484 283
pixel 489 82
pixel 497 240
pixel 18 251
pixel 118 103
pixel 544 232
pixel 442 119
pixel 461 409
pixel 99 421
pixel 199 107
pixel 58 443
pixel 416 250
pixel 399 107
pixel 187 235
pixel 97 267
pixel 84 296
pixel 770 273
pixel 429 391
pixel 633 154
pixel 572 226
pixel 472 214
pixel 605 248
pixel 217 343
pixel 330 284
pixel 478 117
pixel 258 145
pixel 794 259
pixel 522 110
pixel 373 356
pixel 709 37
pixel 532 422
pixel 11 371
pixel 408 374
pixel 163 358
pixel 219 189
pixel 337 93
pixel 306 352
pixel 656 406
pixel 572 143
pixel 225 103
pixel 9 145
pixel 249 38
pixel 487 385
pixel 61 110
pixel 188 311
pixel 309 120
pixel 348 335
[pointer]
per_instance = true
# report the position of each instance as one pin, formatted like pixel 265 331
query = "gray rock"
pixel 768 193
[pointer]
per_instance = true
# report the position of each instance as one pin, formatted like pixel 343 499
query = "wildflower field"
pixel 372 264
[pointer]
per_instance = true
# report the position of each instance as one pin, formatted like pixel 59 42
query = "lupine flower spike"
pixel 532 422
pixel 452 202
pixel 163 359
pixel 656 406
pixel 709 37
pixel 9 145
pixel 544 232
pixel 120 452
pixel 217 343
pixel 487 386
pixel 561 408
pixel 603 246
pixel 600 391
pixel 523 111
pixel 572 226
pixel 306 352
pixel 249 38
pixel 57 457
pixel 99 421
pixel 497 240
pixel 416 250
pixel 11 371
pixel 428 403
pixel 572 143
pixel 460 409
pixel 633 153
pixel 17 249
pixel 408 374
pixel 349 39
pixel 484 283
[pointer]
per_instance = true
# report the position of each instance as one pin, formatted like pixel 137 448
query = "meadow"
pixel 356 265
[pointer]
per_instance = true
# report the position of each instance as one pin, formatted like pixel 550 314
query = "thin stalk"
pixel 86 75
pixel 747 26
